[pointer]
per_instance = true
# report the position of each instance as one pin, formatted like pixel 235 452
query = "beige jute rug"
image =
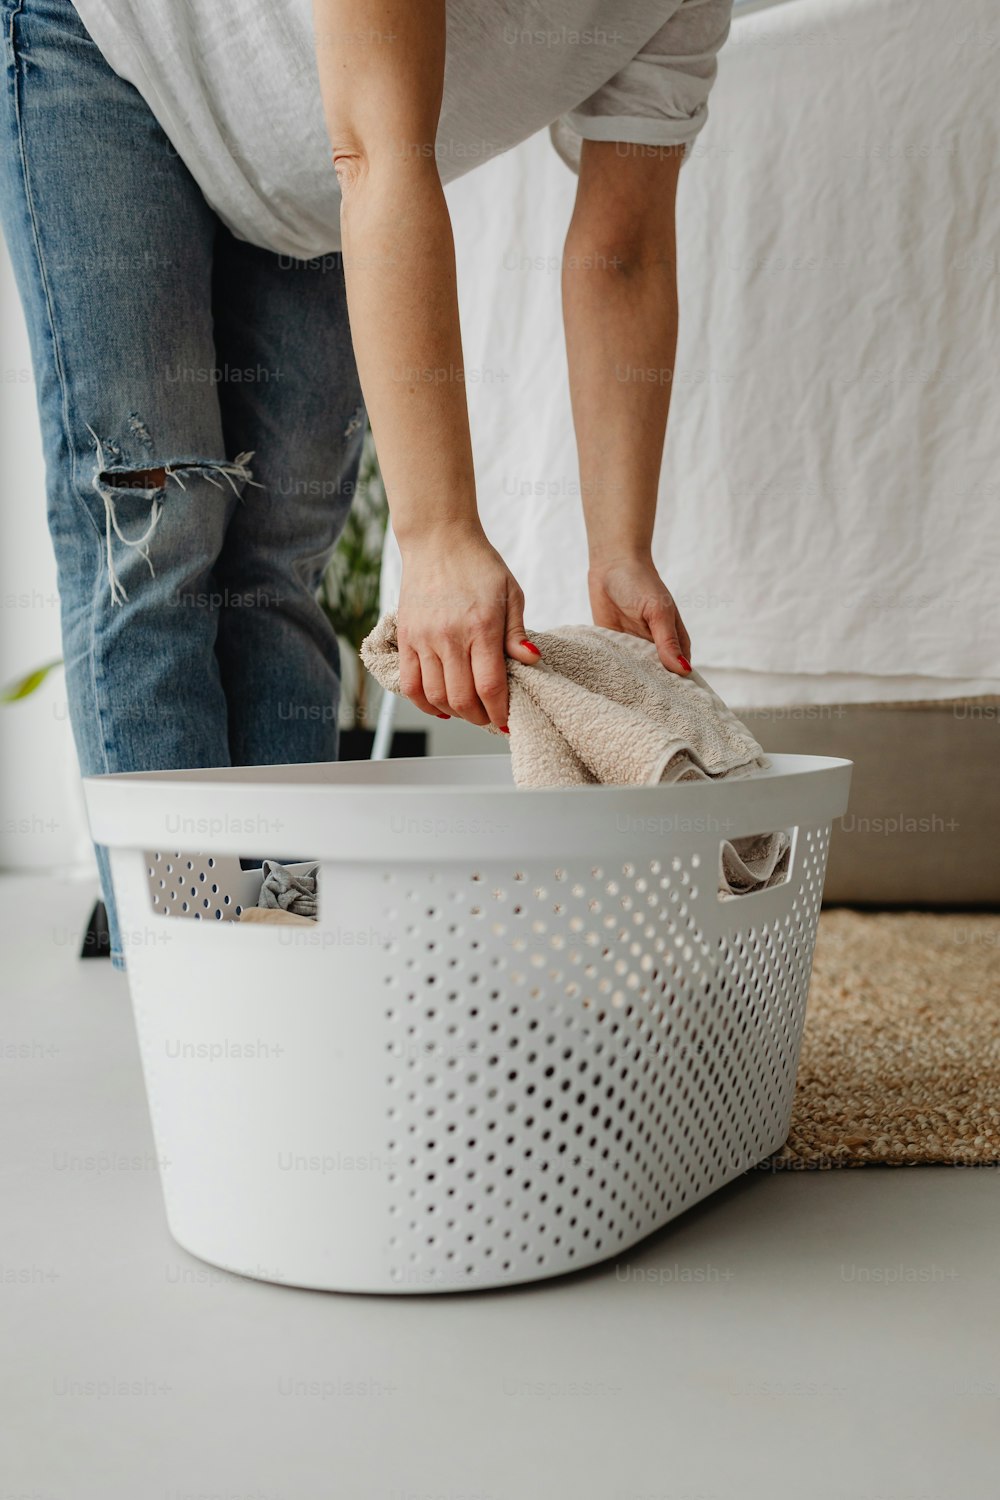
pixel 901 1055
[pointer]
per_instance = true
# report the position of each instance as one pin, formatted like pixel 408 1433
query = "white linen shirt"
pixel 234 85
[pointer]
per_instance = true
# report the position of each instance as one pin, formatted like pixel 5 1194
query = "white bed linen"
pixel 830 502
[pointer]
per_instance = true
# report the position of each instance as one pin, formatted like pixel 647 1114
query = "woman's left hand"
pixel 629 595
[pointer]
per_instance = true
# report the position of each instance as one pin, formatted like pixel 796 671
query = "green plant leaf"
pixel 349 591
pixel 27 685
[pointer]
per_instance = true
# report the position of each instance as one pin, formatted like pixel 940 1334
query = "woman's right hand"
pixel 460 615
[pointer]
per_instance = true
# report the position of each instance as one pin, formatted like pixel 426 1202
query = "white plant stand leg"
pixel 383 729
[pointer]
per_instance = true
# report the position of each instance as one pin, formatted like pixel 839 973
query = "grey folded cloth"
pixel 600 708
pixel 289 890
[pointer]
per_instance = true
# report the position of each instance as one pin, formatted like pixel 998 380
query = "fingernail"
pixel 444 716
pixel 684 663
pixel 503 729
pixel 531 647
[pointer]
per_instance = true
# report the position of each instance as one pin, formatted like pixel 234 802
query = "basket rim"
pixel 369 817
pixel 375 776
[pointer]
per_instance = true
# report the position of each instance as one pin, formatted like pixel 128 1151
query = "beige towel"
pixel 275 916
pixel 599 707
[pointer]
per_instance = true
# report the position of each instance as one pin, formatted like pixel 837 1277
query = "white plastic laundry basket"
pixel 525 1031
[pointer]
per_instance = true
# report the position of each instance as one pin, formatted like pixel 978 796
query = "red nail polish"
pixel 444 716
pixel 503 729
pixel 531 647
pixel 684 663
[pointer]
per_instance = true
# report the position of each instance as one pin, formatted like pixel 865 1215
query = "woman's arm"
pixel 620 311
pixel 381 70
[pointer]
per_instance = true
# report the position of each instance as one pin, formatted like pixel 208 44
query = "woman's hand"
pixel 461 613
pixel 629 595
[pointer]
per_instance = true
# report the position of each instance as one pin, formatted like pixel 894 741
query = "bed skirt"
pixel 923 826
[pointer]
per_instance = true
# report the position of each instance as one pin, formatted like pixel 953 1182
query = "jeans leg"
pixel 282 325
pixel 112 245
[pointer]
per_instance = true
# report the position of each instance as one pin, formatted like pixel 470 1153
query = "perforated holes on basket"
pixel 200 886
pixel 575 1062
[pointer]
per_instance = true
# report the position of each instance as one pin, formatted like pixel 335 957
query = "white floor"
pixel 817 1337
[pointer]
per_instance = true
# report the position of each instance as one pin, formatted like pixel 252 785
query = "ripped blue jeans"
pixel 202 423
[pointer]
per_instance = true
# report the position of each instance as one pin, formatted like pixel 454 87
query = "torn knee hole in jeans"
pixel 113 474
pixel 138 479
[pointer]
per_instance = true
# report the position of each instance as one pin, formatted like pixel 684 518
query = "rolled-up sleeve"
pixel 660 98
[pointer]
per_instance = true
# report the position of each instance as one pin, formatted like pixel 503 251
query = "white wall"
pixel 42 825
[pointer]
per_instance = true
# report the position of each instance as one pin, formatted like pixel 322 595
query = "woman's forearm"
pixel 620 313
pixel 621 332
pixel 381 73
pixel 399 261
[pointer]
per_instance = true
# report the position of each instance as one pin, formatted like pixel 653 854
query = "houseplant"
pixel 349 596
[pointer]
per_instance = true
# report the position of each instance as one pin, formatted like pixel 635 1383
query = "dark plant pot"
pixel 97 938
pixel 356 744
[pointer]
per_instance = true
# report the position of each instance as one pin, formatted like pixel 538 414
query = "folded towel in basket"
pixel 289 890
pixel 274 916
pixel 599 707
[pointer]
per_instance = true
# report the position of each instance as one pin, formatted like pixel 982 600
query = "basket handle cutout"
pixel 755 863
pixel 206 887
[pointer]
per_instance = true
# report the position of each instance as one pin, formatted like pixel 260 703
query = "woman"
pixel 179 185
